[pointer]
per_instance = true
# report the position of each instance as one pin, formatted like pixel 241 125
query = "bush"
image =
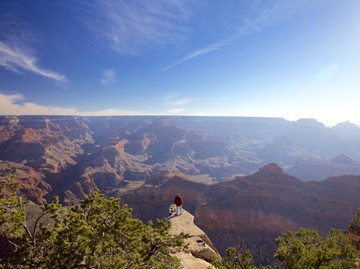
pixel 303 249
pixel 307 249
pixel 98 233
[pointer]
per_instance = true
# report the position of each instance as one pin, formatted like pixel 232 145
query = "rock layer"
pixel 255 208
pixel 71 156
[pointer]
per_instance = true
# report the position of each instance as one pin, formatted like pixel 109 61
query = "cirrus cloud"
pixel 327 72
pixel 175 105
pixel 263 15
pixel 129 27
pixel 108 77
pixel 18 58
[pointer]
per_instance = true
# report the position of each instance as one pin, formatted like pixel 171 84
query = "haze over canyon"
pixel 248 178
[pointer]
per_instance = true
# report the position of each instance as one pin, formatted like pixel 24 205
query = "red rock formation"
pixel 255 208
pixel 32 148
pixel 71 157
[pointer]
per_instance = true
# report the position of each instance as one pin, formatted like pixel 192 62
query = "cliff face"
pixel 71 156
pixel 36 149
pixel 317 169
pixel 201 250
pixel 255 208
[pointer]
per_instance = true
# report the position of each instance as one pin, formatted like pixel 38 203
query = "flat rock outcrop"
pixel 201 249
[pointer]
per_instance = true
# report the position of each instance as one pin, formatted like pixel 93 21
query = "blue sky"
pixel 269 58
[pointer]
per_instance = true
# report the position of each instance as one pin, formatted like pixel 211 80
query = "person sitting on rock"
pixel 178 202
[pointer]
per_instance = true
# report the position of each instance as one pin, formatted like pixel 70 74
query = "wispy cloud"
pixel 129 27
pixel 175 104
pixel 197 53
pixel 327 72
pixel 263 15
pixel 173 100
pixel 108 77
pixel 16 104
pixel 113 112
pixel 175 111
pixel 17 58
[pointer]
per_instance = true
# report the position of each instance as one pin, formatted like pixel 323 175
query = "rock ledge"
pixel 201 249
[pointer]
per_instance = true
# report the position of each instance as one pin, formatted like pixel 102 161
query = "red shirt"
pixel 178 201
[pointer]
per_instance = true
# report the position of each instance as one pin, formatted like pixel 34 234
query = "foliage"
pixel 98 233
pixel 12 213
pixel 307 249
pixel 304 249
pixel 236 258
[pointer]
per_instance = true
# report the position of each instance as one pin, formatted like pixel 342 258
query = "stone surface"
pixel 188 261
pixel 201 250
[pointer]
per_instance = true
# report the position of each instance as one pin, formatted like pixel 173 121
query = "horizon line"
pixel 169 115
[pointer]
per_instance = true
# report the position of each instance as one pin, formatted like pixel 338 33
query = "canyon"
pixel 256 208
pixel 244 179
pixel 71 156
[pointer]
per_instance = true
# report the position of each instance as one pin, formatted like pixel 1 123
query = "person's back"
pixel 178 202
